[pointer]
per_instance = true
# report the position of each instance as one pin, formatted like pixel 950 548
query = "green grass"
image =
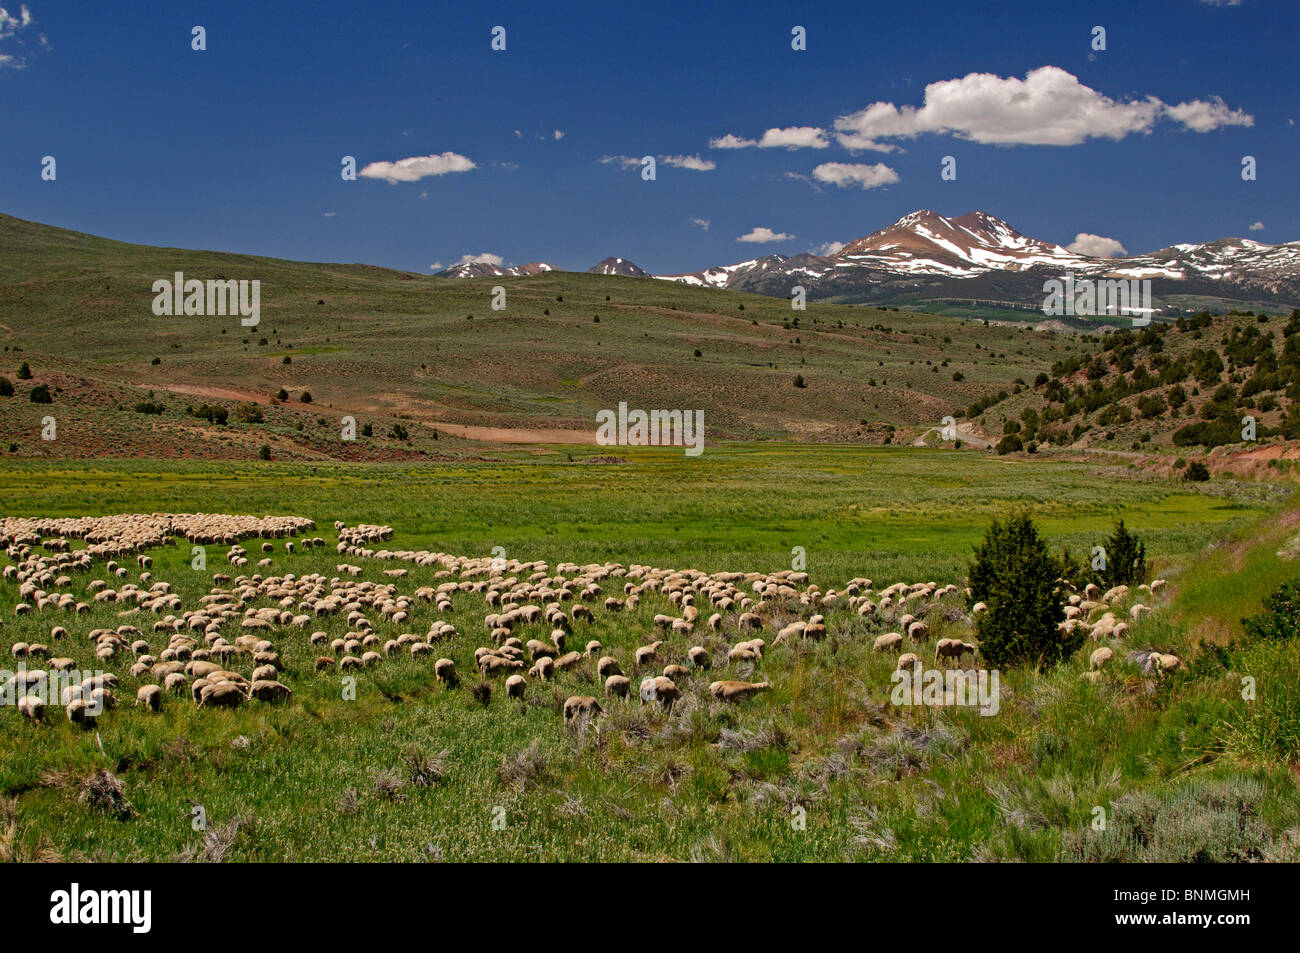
pixel 298 781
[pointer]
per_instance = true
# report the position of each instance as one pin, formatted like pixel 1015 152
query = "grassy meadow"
pixel 821 767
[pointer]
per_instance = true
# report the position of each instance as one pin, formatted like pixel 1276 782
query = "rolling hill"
pixel 426 366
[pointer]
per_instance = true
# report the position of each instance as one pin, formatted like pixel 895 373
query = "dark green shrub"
pixel 1016 576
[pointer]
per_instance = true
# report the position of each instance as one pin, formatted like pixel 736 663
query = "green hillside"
pixel 429 356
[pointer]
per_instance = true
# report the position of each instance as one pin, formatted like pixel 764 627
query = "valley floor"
pixel 820 767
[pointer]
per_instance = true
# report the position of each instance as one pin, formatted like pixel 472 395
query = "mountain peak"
pixel 618 266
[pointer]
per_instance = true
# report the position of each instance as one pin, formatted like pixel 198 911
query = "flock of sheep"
pixel 532 616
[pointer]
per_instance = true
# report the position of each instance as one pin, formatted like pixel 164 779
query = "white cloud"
pixel 701 223
pixel 795 137
pixel 1048 107
pixel 1096 246
pixel 484 257
pixel 329 214
pixel 762 235
pixel 694 163
pixel 844 174
pixel 731 142
pixel 10 27
pixel 10 24
pixel 417 167
pixel 558 134
pixel 827 248
pixel 437 266
pixel 1222 3
pixel 1202 116
pixel 1257 226
pixel 792 137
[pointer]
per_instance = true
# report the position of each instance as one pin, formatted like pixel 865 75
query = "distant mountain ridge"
pixel 977 255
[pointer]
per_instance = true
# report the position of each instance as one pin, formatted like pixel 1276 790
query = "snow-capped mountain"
pixel 925 255
pixel 486 269
pixel 618 266
pixel 926 243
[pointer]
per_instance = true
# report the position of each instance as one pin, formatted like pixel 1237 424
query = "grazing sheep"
pixel 917 631
pixel 491 664
pixel 1166 663
pixel 593 647
pixel 647 654
pixel 578 706
pixel 699 657
pixel 617 685
pixel 908 660
pixel 743 652
pixel 1134 613
pixel 750 620
pixel 538 649
pixel 608 666
pixel 79 714
pixel 516 685
pixel 175 683
pixel 1100 657
pixel 660 689
pixel 269 690
pixel 350 662
pixel 149 696
pixel 265 673
pixel 221 695
pixel 444 670
pixel 888 641
pixel 715 622
pixel 734 691
pixel 30 706
pixel 568 660
pixel 953 649
pixel 790 632
pixel 543 668
pixel 677 672
pixel 324 664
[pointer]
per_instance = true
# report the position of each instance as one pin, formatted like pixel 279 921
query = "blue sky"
pixel 238 148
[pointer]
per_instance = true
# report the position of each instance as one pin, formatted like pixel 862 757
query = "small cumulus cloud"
pixel 329 214
pixel 417 167
pixel 1096 246
pixel 486 258
pixel 1257 226
pixel 558 134
pixel 827 248
pixel 845 174
pixel 701 223
pixel 731 142
pixel 792 137
pixel 1205 116
pixel 694 163
pixel 762 235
